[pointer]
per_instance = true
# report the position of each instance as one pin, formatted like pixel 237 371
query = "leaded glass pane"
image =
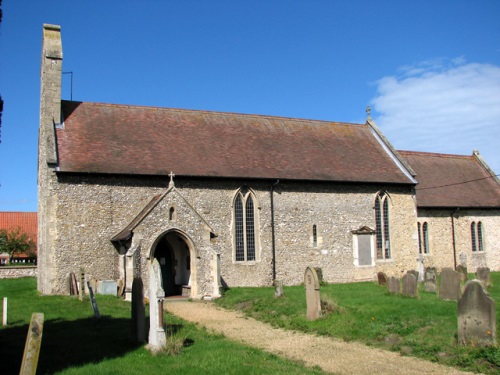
pixel 480 236
pixel 426 238
pixel 250 232
pixel 240 242
pixel 419 229
pixel 378 229
pixel 387 239
pixel 473 236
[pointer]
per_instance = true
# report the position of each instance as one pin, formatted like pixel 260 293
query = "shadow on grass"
pixel 68 343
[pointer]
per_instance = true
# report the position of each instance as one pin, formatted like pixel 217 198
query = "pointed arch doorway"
pixel 174 256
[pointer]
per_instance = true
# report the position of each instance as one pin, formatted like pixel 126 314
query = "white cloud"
pixel 442 106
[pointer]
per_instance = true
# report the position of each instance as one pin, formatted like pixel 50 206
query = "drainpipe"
pixel 453 237
pixel 272 229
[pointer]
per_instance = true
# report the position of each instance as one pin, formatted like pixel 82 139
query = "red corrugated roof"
pixel 452 181
pixel 27 221
pixel 118 139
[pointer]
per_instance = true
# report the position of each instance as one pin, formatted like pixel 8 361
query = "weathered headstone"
pixel 420 267
pixel 410 285
pixel 430 280
pixel 393 285
pixel 462 270
pixel 32 346
pixel 313 299
pixel 449 287
pixel 138 311
pixel 121 287
pixel 319 272
pixel 414 273
pixel 463 259
pixel 278 289
pixel 108 287
pixel 93 302
pixel 73 284
pixel 381 278
pixel 157 337
pixel 476 316
pixel 483 275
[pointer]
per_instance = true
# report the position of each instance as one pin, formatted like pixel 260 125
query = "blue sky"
pixel 430 70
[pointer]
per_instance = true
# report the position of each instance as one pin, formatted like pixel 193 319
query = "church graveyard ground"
pixel 425 326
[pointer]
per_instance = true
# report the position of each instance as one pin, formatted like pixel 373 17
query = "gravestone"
pixel 476 316
pixel 483 275
pixel 157 337
pixel 73 284
pixel 138 311
pixel 381 278
pixel 463 259
pixel 430 280
pixel 410 285
pixel 393 285
pixel 313 299
pixel 449 287
pixel 121 287
pixel 420 266
pixel 32 345
pixel 462 270
pixel 414 273
pixel 278 289
pixel 93 302
pixel 108 287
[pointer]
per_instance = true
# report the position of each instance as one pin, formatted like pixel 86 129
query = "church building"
pixel 226 199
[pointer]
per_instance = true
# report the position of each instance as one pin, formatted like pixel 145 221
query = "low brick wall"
pixel 11 272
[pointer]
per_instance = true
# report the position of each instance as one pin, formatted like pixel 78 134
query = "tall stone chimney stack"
pixel 50 116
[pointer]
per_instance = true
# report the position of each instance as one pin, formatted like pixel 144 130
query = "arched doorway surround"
pixel 174 251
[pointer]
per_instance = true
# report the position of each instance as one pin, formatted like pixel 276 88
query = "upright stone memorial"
pixel 476 316
pixel 449 287
pixel 138 311
pixel 313 298
pixel 483 275
pixel 73 284
pixel 278 289
pixel 410 285
pixel 157 337
pixel 393 285
pixel 462 270
pixel 414 273
pixel 430 280
pixel 381 278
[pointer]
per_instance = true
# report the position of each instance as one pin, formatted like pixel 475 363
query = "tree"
pixel 16 242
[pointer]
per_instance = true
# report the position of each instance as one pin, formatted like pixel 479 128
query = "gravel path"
pixel 331 355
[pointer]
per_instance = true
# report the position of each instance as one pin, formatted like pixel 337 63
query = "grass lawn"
pixel 73 342
pixel 425 327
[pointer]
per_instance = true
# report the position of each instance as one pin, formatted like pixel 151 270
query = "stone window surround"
pixel 382 220
pixel 423 238
pixel 477 237
pixel 247 192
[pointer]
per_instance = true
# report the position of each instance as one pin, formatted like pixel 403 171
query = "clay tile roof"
pixel 118 139
pixel 453 181
pixel 27 221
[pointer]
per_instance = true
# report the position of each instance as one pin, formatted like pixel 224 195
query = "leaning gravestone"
pixel 430 279
pixel 313 298
pixel 483 275
pixel 278 289
pixel 138 311
pixel 381 278
pixel 476 316
pixel 410 285
pixel 393 285
pixel 449 287
pixel 33 345
pixel 462 270
pixel 93 302
pixel 73 284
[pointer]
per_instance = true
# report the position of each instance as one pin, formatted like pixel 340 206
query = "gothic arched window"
pixel 244 226
pixel 382 226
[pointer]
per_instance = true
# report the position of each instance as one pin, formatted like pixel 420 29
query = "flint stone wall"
pixel 440 235
pixel 92 209
pixel 12 272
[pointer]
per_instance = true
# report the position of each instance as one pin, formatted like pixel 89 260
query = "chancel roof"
pixel 453 180
pixel 119 139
